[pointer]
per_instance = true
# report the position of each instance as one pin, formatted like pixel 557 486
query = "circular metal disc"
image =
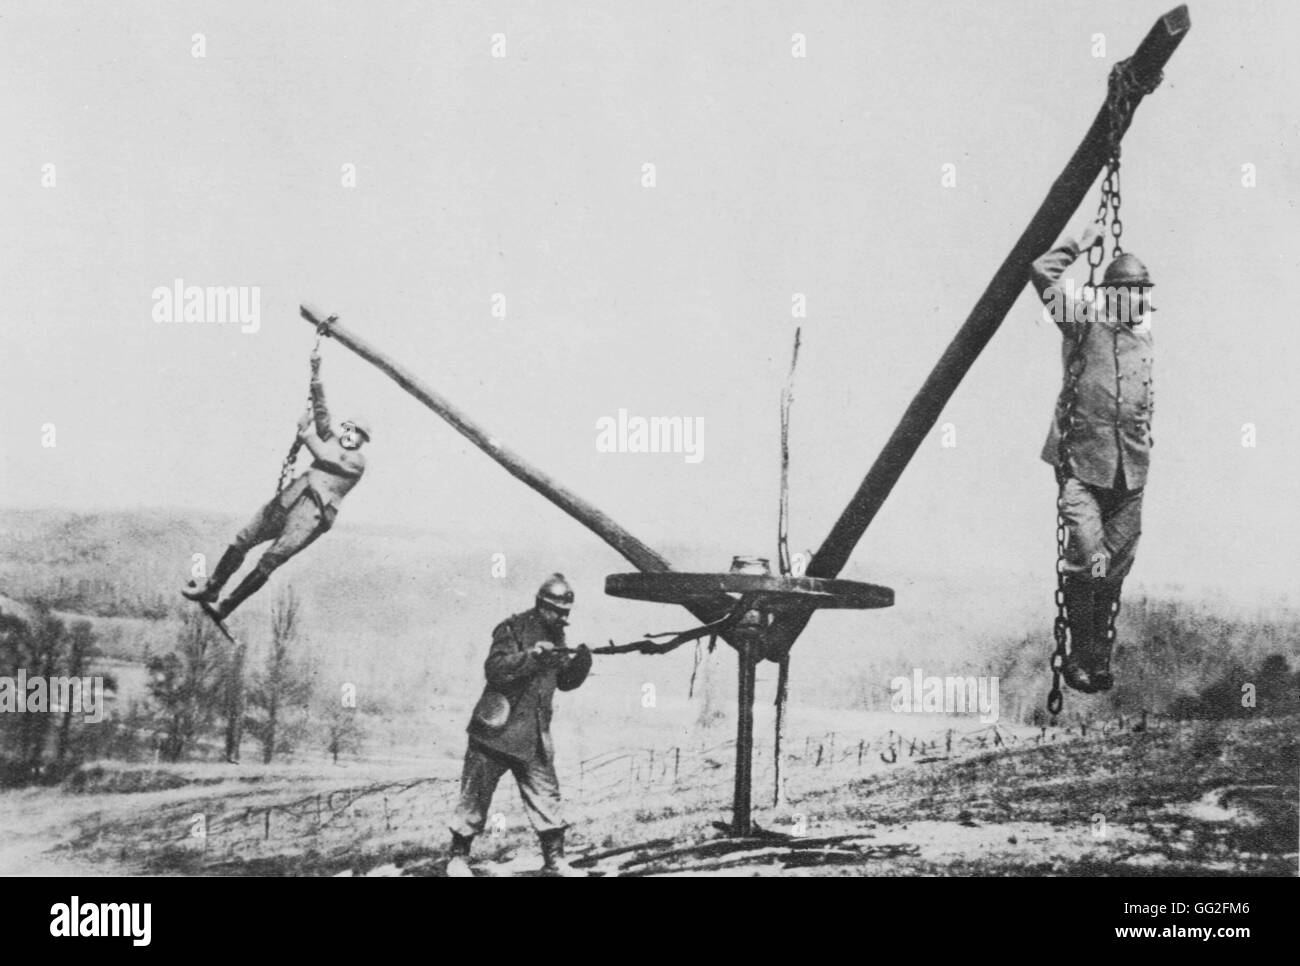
pixel 492 709
pixel 777 591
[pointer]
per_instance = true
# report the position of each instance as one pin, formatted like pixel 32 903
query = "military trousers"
pixel 1102 528
pixel 293 519
pixel 538 787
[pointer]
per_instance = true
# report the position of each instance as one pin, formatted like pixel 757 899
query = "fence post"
pixel 861 743
pixel 267 834
pixel 677 761
pixel 819 755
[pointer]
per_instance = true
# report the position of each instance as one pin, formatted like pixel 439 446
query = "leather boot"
pixel 553 861
pixel 230 562
pixel 250 585
pixel 458 857
pixel 1080 612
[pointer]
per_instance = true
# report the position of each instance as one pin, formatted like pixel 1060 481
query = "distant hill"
pixel 409 613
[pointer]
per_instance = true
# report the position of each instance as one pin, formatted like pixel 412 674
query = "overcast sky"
pixel 522 175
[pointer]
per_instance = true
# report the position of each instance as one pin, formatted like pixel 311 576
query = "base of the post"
pixel 741 822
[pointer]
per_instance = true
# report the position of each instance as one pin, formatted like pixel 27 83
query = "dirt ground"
pixel 1189 798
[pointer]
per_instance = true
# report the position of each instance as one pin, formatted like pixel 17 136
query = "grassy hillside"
pixel 406 616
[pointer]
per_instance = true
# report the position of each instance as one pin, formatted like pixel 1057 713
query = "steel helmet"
pixel 1127 270
pixel 360 424
pixel 555 592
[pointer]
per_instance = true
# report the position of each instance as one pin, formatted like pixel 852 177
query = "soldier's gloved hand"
pixel 543 648
pixel 1091 235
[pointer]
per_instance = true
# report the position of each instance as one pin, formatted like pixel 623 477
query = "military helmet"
pixel 555 592
pixel 1127 270
pixel 360 424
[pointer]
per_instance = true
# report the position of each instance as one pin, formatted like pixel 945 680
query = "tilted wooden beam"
pixel 629 547
pixel 1049 221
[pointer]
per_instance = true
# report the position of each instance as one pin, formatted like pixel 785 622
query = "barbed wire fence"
pixel 340 820
pixel 623 772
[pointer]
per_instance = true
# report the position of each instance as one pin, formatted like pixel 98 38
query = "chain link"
pixel 287 464
pixel 1060 627
pixel 1112 611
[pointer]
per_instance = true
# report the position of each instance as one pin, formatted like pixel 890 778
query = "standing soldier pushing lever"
pixel 511 726
pixel 1100 443
pixel 301 512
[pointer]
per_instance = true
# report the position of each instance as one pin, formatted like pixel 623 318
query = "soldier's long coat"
pixel 528 682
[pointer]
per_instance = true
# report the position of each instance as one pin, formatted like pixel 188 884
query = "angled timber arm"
pixel 629 547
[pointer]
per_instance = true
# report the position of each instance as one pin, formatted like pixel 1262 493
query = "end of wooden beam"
pixel 1177 20
pixel 1160 43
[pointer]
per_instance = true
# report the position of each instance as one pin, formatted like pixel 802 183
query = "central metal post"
pixel 740 817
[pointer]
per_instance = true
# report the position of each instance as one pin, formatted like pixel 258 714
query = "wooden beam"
pixel 1051 219
pixel 629 547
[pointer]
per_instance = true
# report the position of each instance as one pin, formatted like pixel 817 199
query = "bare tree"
pixel 82 650
pixel 36 649
pixel 343 729
pixel 185 686
pixel 278 695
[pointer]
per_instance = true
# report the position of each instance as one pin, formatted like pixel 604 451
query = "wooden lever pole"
pixel 629 547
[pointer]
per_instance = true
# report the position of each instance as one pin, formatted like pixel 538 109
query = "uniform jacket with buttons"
pixel 1110 425
pixel 528 681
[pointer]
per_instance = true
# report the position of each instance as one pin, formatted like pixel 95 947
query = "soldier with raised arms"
pixel 298 514
pixel 1100 444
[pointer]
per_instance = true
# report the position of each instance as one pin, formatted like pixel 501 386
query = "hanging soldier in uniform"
pixel 510 729
pixel 1100 443
pixel 301 511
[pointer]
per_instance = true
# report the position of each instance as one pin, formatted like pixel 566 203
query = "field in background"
pixel 406 616
pixel 645 748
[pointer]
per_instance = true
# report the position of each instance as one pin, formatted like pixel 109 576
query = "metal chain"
pixel 1123 84
pixel 286 465
pixel 1121 87
pixel 1061 626
pixel 1112 611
